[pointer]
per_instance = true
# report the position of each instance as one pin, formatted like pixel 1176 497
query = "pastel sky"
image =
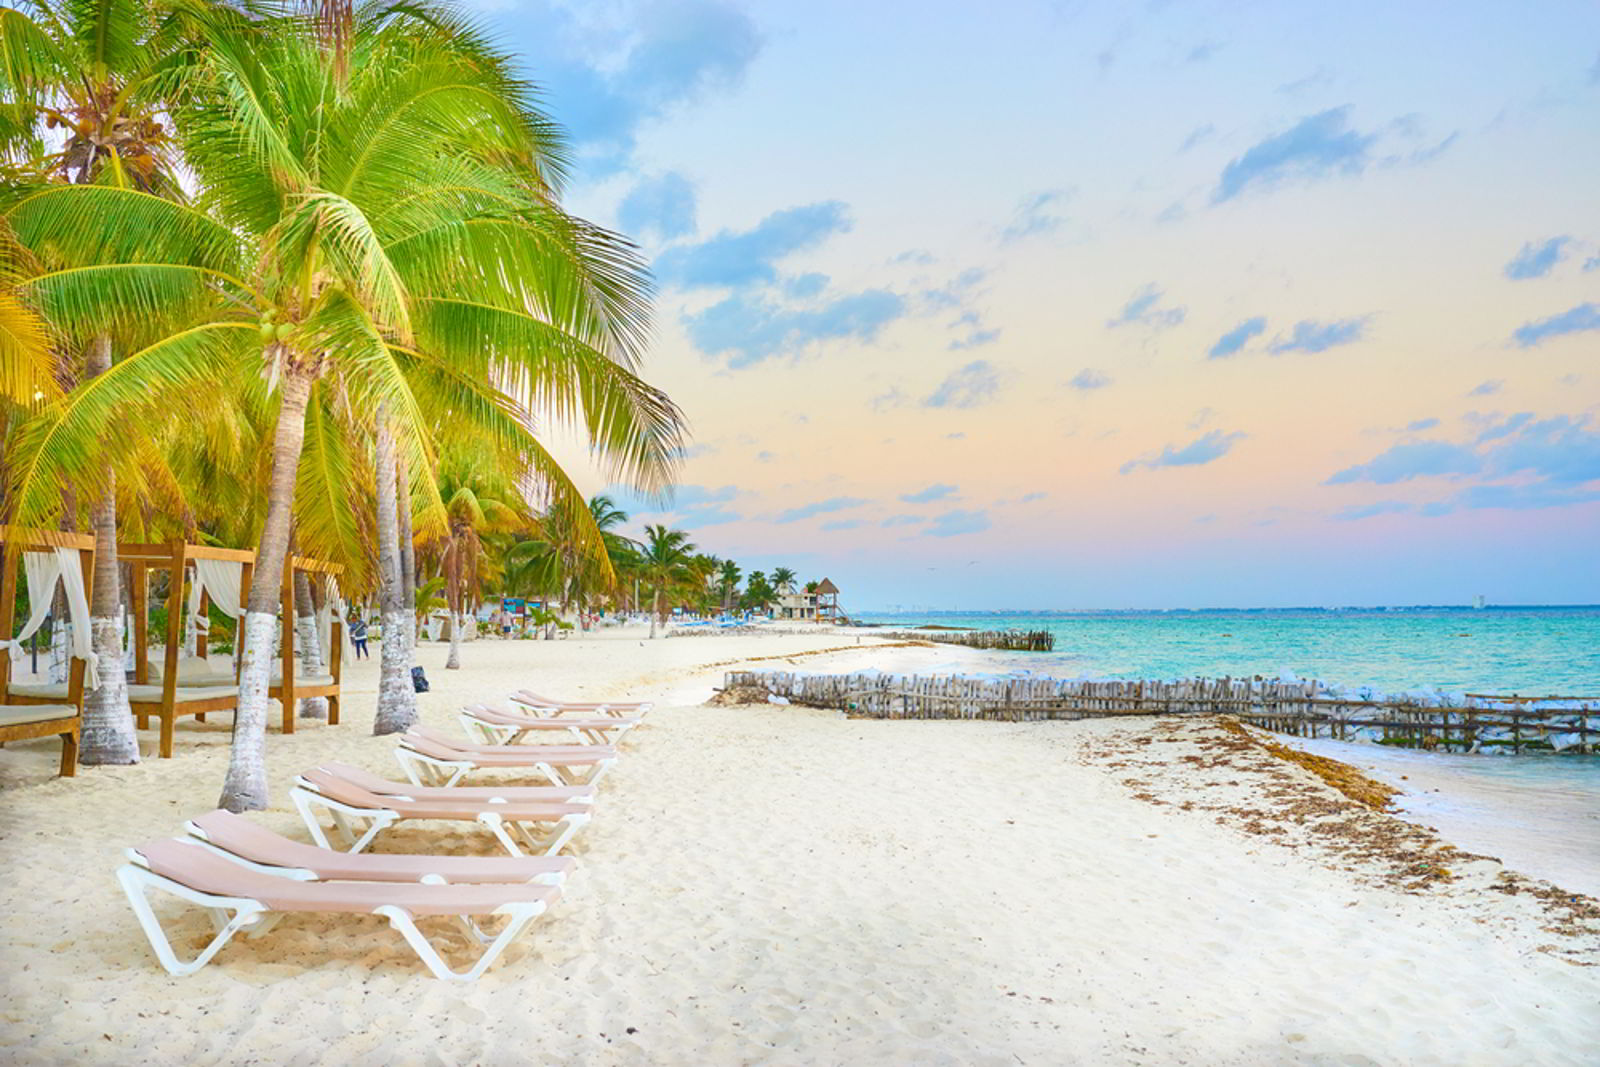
pixel 1075 304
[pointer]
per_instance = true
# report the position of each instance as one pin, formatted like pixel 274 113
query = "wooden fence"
pixel 1305 709
pixel 1008 640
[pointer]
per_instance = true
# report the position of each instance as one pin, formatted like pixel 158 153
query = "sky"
pixel 1049 305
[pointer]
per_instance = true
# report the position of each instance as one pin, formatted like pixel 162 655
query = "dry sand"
pixel 783 885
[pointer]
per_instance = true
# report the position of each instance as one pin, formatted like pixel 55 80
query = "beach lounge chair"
pixel 359 815
pixel 258 848
pixel 543 705
pixel 508 794
pixel 245 898
pixel 432 758
pixel 497 727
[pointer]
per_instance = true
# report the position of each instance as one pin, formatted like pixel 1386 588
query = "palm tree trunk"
pixel 397 699
pixel 310 645
pixel 454 662
pixel 408 558
pixel 108 730
pixel 655 612
pixel 245 788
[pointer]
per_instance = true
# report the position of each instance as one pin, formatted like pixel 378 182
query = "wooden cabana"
pixel 41 710
pixel 174 696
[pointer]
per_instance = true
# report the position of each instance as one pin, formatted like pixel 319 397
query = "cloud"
pixel 1488 388
pixel 894 398
pixel 664 205
pixel 820 507
pixel 691 506
pixel 1088 379
pixel 1212 446
pixel 1411 459
pixel 733 259
pixel 1560 450
pixel 1143 309
pixel 1367 511
pixel 933 492
pixel 1422 424
pixel 1035 216
pixel 1310 336
pixel 903 520
pixel 1196 136
pixel 1028 498
pixel 605 81
pixel 977 336
pixel 1577 320
pixel 1592 263
pixel 1535 261
pixel 844 524
pixel 1318 146
pixel 971 385
pixel 1509 426
pixel 749 329
pixel 805 286
pixel 1202 52
pixel 953 523
pixel 1236 338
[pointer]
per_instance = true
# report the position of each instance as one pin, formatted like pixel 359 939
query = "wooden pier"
pixel 1006 640
pixel 1301 708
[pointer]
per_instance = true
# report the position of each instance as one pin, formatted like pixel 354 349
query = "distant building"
pixel 818 604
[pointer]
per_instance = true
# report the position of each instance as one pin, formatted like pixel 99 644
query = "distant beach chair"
pixel 544 705
pixel 431 758
pixel 359 815
pixel 254 846
pixel 497 727
pixel 245 899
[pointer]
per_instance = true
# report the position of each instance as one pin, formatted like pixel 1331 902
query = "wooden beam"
pixel 140 595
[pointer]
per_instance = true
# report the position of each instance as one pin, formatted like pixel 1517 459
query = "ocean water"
pixel 1527 651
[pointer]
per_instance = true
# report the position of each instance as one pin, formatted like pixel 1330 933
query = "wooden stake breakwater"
pixel 1304 709
pixel 1007 640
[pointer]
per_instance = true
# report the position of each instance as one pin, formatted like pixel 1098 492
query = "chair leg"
pixel 69 754
pixel 519 916
pixel 137 882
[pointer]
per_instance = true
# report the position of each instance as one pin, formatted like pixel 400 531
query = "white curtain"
pixel 78 608
pixel 333 607
pixel 43 569
pixel 220 578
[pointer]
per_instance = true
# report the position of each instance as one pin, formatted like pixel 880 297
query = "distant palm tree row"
pixel 304 282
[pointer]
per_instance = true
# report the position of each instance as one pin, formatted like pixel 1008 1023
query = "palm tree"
pixel 782 578
pixel 728 579
pixel 483 507
pixel 664 563
pixel 393 235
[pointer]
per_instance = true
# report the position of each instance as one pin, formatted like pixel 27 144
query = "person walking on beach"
pixel 358 636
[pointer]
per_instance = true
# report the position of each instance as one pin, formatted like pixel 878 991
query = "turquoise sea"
pixel 1543 651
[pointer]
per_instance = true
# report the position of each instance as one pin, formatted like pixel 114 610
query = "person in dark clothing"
pixel 358 636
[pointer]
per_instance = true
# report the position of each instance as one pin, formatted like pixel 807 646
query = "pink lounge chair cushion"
pixel 531 722
pixel 561 755
pixel 248 840
pixel 536 794
pixel 547 702
pixel 207 872
pixel 336 788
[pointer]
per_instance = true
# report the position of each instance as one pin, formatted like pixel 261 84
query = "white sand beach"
pixel 784 885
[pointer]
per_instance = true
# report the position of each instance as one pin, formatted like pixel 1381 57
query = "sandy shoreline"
pixel 783 885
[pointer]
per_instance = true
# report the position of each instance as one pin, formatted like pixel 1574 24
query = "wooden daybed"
pixel 31 711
